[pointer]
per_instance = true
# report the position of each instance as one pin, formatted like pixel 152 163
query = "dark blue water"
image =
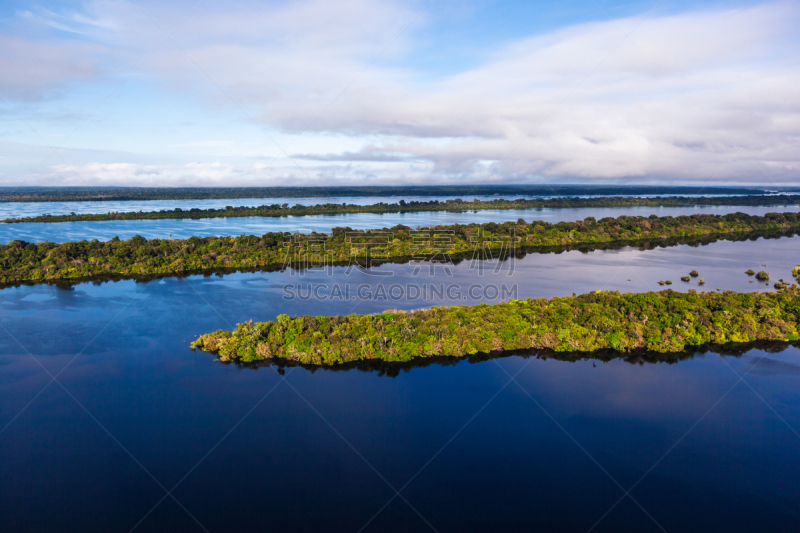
pixel 183 228
pixel 708 443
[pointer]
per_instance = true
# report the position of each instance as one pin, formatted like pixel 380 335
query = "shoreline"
pixel 394 368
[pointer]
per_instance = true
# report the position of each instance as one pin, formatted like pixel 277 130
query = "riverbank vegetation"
pixel 138 257
pixel 635 357
pixel 663 322
pixel 457 205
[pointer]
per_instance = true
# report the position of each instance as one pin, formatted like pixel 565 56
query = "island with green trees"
pixel 456 205
pixel 664 322
pixel 138 257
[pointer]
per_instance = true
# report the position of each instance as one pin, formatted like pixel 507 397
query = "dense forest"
pixel 71 194
pixel 283 210
pixel 666 321
pixel 137 257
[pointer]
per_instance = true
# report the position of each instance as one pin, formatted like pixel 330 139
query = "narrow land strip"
pixel 664 322
pixel 283 210
pixel 137 257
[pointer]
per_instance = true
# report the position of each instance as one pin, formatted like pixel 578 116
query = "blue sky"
pixel 390 92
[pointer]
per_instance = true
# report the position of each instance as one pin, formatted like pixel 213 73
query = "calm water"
pixel 31 209
pixel 180 229
pixel 249 449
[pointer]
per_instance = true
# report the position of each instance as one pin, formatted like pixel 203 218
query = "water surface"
pixel 31 209
pixel 250 449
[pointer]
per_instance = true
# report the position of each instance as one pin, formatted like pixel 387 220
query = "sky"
pixel 379 92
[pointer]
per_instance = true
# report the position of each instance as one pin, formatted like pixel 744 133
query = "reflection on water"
pixel 249 449
pixel 393 369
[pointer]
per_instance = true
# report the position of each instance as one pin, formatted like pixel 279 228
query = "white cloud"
pixel 697 96
pixel 202 144
pixel 101 174
pixel 221 174
pixel 30 70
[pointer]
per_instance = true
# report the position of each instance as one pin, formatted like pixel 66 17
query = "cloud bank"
pixel 695 97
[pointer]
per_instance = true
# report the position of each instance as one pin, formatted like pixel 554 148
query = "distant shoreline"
pixel 457 205
pixel 78 194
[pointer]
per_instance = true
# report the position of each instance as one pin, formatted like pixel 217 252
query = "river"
pixel 140 432
pixel 204 227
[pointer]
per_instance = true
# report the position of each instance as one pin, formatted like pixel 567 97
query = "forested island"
pixel 140 258
pixel 456 205
pixel 663 322
pixel 78 194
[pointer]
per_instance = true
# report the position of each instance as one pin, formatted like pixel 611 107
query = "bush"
pixel 763 276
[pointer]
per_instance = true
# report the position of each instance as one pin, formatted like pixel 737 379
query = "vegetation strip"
pixel 78 194
pixel 665 322
pixel 283 210
pixel 137 257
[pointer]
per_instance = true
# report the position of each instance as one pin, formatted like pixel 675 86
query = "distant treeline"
pixel 71 194
pixel 664 322
pixel 137 257
pixel 283 210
